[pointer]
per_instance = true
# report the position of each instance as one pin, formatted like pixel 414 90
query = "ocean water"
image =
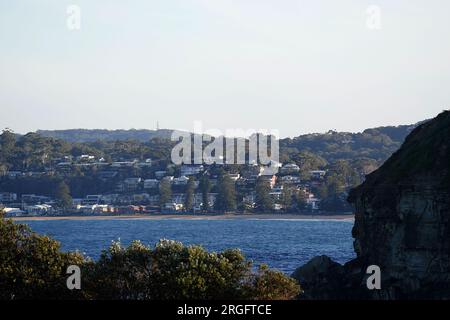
pixel 282 244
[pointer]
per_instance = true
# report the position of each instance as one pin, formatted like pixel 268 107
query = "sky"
pixel 293 66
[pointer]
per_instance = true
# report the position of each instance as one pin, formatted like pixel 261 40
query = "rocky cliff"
pixel 402 214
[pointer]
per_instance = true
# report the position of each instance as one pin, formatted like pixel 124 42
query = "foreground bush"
pixel 32 266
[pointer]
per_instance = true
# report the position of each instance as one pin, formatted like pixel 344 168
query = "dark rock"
pixel 402 224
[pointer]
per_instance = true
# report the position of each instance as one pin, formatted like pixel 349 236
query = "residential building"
pixel 146 163
pixel 8 197
pixel 14 174
pixel 290 168
pixel 109 198
pixel 290 179
pixel 151 183
pixel 34 199
pixel 160 174
pixel 270 179
pixel 86 157
pixel 122 164
pixel 172 207
pixel 191 170
pixel 13 212
pixel 38 209
pixel 181 181
pixel 131 184
pixel 92 199
pixel 317 174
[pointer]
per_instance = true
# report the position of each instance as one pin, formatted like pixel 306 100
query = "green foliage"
pixel 165 192
pixel 173 271
pixel 205 187
pixel 32 266
pixel 62 195
pixel 377 144
pixel 287 197
pixel 300 200
pixel 424 154
pixel 190 190
pixel 226 198
pixel 263 201
pixel 270 284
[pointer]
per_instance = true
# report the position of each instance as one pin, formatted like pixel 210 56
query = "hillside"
pixel 376 143
pixel 92 135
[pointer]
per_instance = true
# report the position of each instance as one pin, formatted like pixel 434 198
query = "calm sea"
pixel 282 244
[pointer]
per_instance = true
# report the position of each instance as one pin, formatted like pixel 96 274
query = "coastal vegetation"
pixel 33 265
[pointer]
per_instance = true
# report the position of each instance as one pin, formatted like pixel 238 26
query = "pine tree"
pixel 205 187
pixel 226 199
pixel 286 197
pixel 190 189
pixel 165 192
pixel 263 201
pixel 62 195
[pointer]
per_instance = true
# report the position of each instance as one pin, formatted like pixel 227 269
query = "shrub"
pixel 32 266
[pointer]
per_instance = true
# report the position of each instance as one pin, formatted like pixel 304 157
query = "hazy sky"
pixel 295 66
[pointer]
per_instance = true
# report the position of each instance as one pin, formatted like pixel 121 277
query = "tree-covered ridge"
pixel 35 150
pixel 91 135
pixel 425 151
pixel 377 143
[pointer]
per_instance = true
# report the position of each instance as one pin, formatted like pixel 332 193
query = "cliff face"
pixel 402 214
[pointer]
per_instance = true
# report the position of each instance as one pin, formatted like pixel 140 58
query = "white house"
pixel 92 199
pixel 290 168
pixel 38 209
pixel 151 183
pixel 191 170
pixel 13 212
pixel 181 181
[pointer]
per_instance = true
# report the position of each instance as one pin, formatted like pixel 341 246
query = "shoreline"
pixel 343 217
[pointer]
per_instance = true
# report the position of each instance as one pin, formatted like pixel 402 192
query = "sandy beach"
pixel 193 217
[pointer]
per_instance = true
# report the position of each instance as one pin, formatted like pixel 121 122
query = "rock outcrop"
pixel 402 225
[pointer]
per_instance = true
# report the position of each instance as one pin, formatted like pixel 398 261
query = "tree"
pixel 189 195
pixel 62 195
pixel 263 200
pixel 172 271
pixel 334 197
pixel 7 146
pixel 7 140
pixel 165 192
pixel 226 198
pixel 32 266
pixel 205 187
pixel 286 197
pixel 300 200
pixel 273 285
